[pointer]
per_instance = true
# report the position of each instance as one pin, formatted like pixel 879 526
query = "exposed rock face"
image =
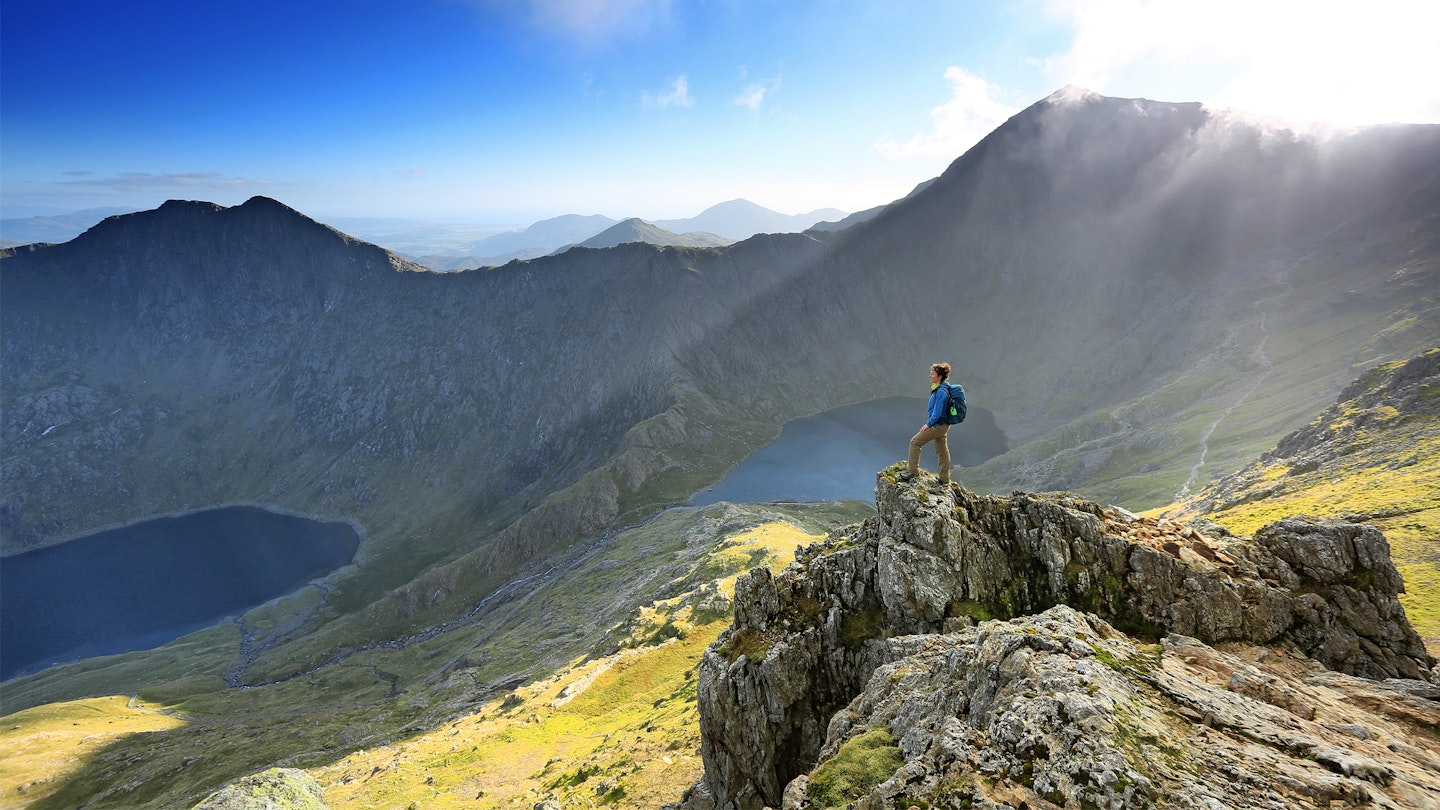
pixel 806 642
pixel 275 789
pixel 1062 709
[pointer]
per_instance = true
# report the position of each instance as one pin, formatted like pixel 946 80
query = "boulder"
pixel 275 789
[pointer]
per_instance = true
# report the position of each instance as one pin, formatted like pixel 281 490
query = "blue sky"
pixel 508 111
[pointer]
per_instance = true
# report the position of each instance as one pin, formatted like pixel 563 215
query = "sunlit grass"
pixel 632 618
pixel 622 730
pixel 41 748
pixel 1368 463
pixel 634 733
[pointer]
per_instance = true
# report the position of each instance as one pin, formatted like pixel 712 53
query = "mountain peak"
pixel 635 229
pixel 1072 93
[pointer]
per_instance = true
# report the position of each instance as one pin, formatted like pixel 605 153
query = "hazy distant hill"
pixel 56 228
pixel 741 219
pixel 540 238
pixel 638 230
pixel 717 226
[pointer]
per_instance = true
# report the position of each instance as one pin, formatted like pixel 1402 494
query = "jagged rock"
pixel 1061 708
pixel 806 642
pixel 275 789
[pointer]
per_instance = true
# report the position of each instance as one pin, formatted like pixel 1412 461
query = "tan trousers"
pixel 937 435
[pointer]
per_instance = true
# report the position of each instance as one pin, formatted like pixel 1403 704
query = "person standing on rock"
pixel 935 428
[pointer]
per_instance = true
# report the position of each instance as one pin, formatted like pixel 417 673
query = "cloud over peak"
pixel 972 112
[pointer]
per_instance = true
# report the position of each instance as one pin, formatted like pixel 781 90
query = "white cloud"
pixel 677 95
pixel 1350 63
pixel 136 181
pixel 971 113
pixel 752 96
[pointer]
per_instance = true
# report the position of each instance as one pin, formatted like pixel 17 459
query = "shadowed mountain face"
pixel 1143 293
pixel 195 355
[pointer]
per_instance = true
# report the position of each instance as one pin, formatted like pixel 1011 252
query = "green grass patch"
pixel 856 627
pixel 861 763
pixel 43 748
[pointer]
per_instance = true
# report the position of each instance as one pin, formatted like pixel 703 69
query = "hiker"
pixel 934 429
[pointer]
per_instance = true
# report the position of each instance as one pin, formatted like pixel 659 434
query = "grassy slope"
pixel 1375 465
pixel 41 748
pixel 615 606
pixel 628 738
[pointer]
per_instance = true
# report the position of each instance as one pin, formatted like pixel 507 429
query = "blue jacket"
pixel 938 395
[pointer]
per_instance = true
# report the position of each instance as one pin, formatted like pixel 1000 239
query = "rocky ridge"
pixel 1268 650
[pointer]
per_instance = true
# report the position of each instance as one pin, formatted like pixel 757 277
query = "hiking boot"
pixel 906 476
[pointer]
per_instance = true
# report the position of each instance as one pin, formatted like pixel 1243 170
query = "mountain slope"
pixel 1140 290
pixel 868 214
pixel 56 228
pixel 1372 457
pixel 585 624
pixel 197 355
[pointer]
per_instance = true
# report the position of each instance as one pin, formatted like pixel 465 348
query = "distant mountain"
pixel 56 228
pixel 742 219
pixel 539 239
pixel 638 230
pixel 717 226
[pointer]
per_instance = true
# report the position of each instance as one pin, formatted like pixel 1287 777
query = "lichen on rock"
pixel 275 789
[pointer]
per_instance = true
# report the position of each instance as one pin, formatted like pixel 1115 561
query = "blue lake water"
pixel 141 586
pixel 835 455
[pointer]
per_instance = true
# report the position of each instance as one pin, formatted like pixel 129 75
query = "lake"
pixel 140 586
pixel 835 455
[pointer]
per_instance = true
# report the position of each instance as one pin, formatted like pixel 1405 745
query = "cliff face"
pixel 875 628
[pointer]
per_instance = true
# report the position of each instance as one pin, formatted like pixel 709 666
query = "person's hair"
pixel 943 369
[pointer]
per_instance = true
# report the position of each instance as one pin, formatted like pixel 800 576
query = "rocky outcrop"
pixel 275 789
pixel 1060 709
pixel 935 561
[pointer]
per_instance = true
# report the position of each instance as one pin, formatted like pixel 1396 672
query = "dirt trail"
pixel 1257 355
